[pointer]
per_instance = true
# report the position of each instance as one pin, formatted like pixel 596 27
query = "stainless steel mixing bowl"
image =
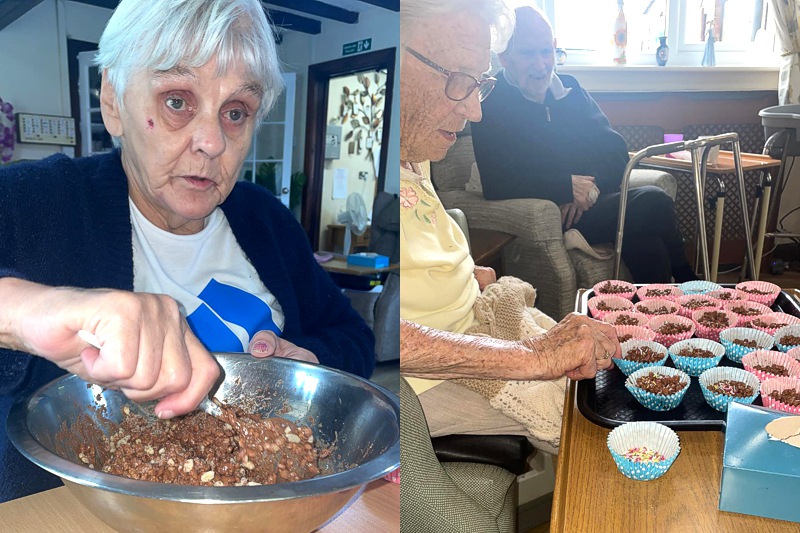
pixel 362 418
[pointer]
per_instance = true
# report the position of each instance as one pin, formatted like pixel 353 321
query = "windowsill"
pixel 677 78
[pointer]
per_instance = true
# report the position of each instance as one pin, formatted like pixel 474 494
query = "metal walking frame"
pixel 781 124
pixel 699 149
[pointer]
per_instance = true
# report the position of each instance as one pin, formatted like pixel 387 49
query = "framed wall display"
pixel 45 129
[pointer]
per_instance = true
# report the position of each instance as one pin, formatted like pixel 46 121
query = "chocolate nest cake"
pixel 643 354
pixel 788 396
pixel 730 387
pixel 660 384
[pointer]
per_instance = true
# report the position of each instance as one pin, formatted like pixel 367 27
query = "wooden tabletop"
pixel 486 244
pixel 724 164
pixel 592 495
pixel 341 266
pixel 57 511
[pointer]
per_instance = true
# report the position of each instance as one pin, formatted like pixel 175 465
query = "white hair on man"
pixel 415 13
pixel 159 35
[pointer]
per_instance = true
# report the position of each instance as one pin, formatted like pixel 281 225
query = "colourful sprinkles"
pixel 643 455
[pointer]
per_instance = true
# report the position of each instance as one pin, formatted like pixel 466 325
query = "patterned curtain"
pixel 786 25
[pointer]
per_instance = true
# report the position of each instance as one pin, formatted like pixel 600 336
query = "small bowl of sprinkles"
pixel 725 384
pixel 670 329
pixel 637 354
pixel 695 356
pixel 601 305
pixel 696 302
pixel 782 394
pixel 698 286
pixel 711 323
pixel 740 341
pixel 626 318
pixel 787 337
pixel 643 450
pixel 615 287
pixel 626 333
pixel 659 388
pixel 658 290
pixel 767 364
pixel 770 322
pixel 657 306
pixel 762 292
pixel 727 295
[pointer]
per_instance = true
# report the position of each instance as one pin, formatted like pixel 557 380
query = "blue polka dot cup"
pixel 721 401
pixel 653 401
pixel 643 450
pixel 694 366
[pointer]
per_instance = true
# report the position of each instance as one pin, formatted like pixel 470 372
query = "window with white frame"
pixel 743 30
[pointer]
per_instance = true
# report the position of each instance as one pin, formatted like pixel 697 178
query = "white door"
pixel 269 162
pixel 94 137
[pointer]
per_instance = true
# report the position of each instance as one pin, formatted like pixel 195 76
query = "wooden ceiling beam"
pixel 290 21
pixel 11 10
pixel 391 5
pixel 319 9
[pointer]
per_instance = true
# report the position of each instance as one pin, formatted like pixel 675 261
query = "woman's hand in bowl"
pixel 147 349
pixel 266 344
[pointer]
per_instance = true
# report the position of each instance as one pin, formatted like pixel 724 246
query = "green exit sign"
pixel 356 47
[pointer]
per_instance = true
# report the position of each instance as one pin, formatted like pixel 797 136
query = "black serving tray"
pixel 605 401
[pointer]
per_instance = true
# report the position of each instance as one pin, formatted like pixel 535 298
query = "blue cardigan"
pixel 66 222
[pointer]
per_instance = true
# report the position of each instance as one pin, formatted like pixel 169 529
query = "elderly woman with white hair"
pixel 446 300
pixel 155 248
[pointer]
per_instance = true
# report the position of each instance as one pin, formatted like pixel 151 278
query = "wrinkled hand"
pixel 485 276
pixel 570 214
pixel 266 344
pixel 576 347
pixel 147 349
pixel 581 185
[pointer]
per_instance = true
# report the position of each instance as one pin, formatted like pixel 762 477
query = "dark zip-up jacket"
pixel 528 150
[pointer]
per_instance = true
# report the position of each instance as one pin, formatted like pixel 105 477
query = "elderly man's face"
pixel 185 134
pixel 530 59
pixel 429 120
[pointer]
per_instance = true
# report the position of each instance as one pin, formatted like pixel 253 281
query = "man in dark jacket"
pixel 543 136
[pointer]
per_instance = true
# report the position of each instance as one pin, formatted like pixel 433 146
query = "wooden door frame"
pixel 316 122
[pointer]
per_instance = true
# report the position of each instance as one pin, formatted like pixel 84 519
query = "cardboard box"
pixel 368 260
pixel 760 476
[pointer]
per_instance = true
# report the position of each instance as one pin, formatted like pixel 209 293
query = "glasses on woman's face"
pixel 459 84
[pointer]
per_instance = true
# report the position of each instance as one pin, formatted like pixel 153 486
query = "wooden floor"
pixel 787 280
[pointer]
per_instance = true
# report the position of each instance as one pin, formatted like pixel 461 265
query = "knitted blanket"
pixel 505 310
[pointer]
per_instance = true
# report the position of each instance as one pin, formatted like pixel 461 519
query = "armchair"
pixel 448 497
pixel 538 255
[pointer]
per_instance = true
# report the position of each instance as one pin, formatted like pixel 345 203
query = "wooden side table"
pixel 335 239
pixel 487 246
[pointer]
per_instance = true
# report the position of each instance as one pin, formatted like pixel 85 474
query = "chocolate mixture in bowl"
pixel 199 449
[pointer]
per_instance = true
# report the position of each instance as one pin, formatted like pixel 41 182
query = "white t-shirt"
pixel 223 298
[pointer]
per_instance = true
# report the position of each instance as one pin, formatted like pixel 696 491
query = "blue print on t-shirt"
pixel 232 305
pixel 212 332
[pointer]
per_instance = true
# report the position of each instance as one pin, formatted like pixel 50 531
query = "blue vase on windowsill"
pixel 662 52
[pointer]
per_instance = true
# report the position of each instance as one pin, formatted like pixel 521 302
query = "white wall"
pixel 34 52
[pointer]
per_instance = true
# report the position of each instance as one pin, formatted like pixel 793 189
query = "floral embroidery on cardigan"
pixel 409 199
